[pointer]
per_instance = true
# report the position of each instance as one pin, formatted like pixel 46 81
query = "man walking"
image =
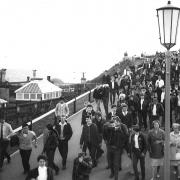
pixel 5 133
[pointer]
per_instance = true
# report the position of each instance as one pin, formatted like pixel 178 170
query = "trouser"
pixel 25 156
pixel 63 149
pixel 107 154
pixel 92 151
pixel 98 102
pixel 3 151
pixel 142 119
pixel 105 103
pixel 114 160
pixel 112 96
pixel 50 156
pixel 136 156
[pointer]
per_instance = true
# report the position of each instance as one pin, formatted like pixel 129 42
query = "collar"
pixel 62 124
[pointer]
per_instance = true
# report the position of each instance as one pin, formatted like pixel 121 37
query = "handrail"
pixel 53 110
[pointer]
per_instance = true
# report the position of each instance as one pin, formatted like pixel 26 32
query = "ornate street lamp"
pixel 168 18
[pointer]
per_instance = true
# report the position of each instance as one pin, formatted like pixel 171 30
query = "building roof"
pixel 38 86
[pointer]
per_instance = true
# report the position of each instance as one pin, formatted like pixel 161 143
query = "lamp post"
pixel 168 18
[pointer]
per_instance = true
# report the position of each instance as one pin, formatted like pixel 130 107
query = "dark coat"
pixel 89 135
pixel 159 109
pixel 81 168
pixel 51 141
pixel 127 119
pixel 117 138
pixel 67 131
pixel 156 150
pixel 98 93
pixel 34 173
pixel 115 86
pixel 141 141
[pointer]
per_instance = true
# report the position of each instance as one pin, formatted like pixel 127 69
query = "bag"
pixel 14 140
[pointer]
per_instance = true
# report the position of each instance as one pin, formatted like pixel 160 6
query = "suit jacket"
pixel 127 119
pixel 89 135
pixel 67 131
pixel 34 173
pixel 159 109
pixel 141 141
pixel 115 86
pixel 144 105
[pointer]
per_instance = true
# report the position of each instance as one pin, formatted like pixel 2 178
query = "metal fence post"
pixel 75 105
pixel 90 96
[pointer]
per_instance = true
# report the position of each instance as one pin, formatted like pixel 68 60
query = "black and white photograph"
pixel 89 90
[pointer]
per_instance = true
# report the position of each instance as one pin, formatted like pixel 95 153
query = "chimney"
pixel 28 78
pixel 3 75
pixel 34 73
pixel 49 78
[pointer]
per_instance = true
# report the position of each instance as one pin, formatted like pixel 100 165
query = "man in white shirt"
pixel 65 132
pixel 5 134
pixel 42 172
pixel 159 84
pixel 138 148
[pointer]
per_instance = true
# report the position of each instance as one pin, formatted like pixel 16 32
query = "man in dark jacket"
pixel 89 111
pixel 138 148
pixel 125 116
pixel 118 138
pixel 106 78
pixel 82 167
pixel 38 172
pixel 89 139
pixel 50 146
pixel 105 98
pixel 65 132
pixel 97 95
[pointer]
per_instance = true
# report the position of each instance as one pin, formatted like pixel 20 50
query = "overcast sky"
pixel 64 38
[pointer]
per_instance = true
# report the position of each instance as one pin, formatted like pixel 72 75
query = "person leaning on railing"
pixel 61 109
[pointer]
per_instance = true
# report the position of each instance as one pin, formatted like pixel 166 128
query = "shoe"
pixel 107 167
pixel 158 176
pixel 111 175
pixel 120 168
pixel 64 167
pixel 57 171
pixel 174 172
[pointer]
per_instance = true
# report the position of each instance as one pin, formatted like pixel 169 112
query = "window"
pixel 57 94
pixel 33 96
pixel 39 96
pixel 26 96
pixel 19 96
pixel 45 96
pixel 53 95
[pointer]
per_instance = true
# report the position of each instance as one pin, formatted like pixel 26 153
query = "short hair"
pixel 89 105
pixel 25 125
pixel 41 156
pixel 49 126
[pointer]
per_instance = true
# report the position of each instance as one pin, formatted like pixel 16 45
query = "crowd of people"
pixel 132 121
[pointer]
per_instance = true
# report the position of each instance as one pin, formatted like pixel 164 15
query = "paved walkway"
pixel 14 170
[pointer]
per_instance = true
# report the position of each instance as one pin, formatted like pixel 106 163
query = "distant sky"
pixel 63 38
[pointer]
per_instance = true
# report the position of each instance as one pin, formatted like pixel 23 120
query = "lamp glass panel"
pixel 161 26
pixel 174 26
pixel 167 25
